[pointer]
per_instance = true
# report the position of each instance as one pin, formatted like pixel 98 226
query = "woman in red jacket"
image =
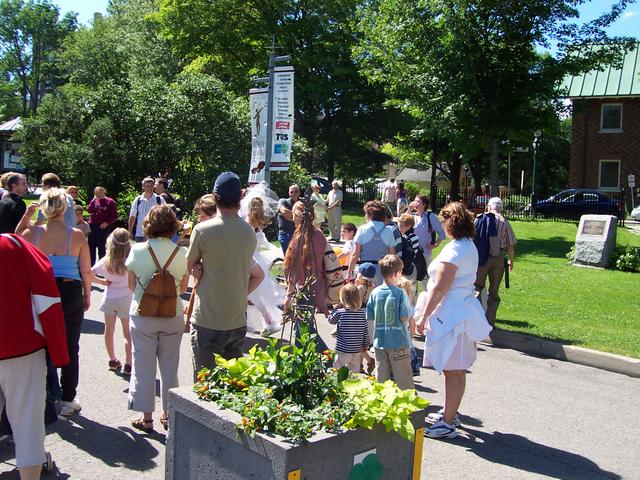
pixel 30 321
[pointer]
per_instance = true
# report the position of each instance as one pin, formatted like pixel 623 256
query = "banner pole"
pixel 269 148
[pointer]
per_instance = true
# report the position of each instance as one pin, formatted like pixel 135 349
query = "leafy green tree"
pixel 342 117
pixel 471 71
pixel 31 33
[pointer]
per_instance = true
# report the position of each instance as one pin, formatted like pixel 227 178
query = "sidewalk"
pixel 523 418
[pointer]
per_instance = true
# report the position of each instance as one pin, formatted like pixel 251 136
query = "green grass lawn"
pixel 591 308
pixel 549 298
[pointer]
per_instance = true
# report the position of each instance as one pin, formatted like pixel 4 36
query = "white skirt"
pixel 463 356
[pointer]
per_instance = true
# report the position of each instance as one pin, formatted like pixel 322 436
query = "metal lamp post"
pixel 536 141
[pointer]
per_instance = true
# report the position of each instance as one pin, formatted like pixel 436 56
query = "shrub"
pixel 627 258
pixel 125 199
pixel 413 189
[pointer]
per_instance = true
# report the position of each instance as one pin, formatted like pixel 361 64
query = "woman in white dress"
pixel 453 317
pixel 319 207
pixel 258 207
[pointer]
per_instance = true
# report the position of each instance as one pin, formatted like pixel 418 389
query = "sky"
pixel 628 24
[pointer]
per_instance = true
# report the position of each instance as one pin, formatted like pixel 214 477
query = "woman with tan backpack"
pixel 157 276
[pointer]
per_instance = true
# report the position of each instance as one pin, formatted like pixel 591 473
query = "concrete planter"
pixel 204 443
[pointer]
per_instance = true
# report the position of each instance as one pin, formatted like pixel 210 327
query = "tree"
pixel 342 117
pixel 126 112
pixel 472 68
pixel 31 34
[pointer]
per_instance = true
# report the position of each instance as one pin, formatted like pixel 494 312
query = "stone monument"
pixel 595 240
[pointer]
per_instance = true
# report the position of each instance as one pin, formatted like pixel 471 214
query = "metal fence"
pixel 567 207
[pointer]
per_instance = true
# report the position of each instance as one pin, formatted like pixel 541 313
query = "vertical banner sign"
pixel 282 118
pixel 258 99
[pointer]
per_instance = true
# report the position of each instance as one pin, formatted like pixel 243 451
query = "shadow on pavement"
pixel 92 327
pixel 116 447
pixel 521 453
pixel 424 389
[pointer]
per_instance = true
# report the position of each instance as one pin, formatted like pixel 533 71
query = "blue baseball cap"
pixel 367 270
pixel 227 185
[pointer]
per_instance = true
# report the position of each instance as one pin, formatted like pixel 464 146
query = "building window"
pixel 609 175
pixel 611 117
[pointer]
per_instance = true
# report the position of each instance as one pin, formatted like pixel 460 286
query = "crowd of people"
pixel 365 281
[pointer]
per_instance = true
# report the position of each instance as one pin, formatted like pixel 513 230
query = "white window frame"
pixel 610 130
pixel 608 189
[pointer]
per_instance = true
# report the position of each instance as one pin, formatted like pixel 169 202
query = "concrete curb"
pixel 569 353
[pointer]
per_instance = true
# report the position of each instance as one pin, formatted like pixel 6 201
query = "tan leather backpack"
pixel 159 298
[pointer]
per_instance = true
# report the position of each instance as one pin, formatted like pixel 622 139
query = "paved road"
pixel 524 418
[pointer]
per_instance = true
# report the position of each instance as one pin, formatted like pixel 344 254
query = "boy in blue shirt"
pixel 389 308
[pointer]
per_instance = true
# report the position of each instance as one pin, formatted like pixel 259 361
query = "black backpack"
pixel 413 258
pixel 421 265
pixel 408 256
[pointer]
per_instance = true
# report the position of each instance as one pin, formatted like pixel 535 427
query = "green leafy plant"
pixel 627 258
pixel 383 403
pixel 294 392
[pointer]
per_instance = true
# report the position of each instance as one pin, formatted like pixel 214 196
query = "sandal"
pixel 142 424
pixel 165 422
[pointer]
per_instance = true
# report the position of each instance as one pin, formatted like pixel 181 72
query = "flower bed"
pixel 292 391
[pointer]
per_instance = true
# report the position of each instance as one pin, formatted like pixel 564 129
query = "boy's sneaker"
pixel 441 430
pixel 439 416
pixel 69 408
pixel 126 371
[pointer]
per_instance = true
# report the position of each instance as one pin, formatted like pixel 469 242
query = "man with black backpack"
pixel 140 208
pixel 494 238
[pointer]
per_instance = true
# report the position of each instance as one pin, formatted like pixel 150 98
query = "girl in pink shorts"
pixel 116 299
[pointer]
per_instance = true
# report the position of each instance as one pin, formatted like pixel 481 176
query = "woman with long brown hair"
pixel 310 255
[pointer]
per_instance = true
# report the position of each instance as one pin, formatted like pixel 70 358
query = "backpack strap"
pixel 429 220
pixel 173 254
pixel 155 259
pixel 158 201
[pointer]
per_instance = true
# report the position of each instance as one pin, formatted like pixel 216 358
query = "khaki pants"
pixel 352 360
pixel 494 269
pixel 154 340
pixel 395 363
pixel 23 392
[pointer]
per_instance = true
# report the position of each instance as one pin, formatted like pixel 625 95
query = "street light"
pixel 536 142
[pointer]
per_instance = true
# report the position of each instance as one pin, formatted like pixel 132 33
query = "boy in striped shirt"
pixel 353 329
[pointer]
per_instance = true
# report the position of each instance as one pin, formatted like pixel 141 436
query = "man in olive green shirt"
pixel 225 246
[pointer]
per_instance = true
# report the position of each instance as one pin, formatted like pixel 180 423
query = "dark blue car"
pixel 575 202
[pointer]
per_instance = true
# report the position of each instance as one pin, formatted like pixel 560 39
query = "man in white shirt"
pixel 140 208
pixel 390 194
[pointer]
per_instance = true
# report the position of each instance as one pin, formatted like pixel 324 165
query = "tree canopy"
pixel 472 71
pixel 342 116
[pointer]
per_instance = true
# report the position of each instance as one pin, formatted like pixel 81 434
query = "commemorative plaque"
pixel 596 240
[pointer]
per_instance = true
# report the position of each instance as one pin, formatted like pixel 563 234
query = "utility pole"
pixel 536 142
pixel 273 60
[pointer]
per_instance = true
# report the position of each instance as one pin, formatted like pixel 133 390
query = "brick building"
pixel 605 140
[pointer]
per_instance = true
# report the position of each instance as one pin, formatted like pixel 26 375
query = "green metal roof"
pixel 611 82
